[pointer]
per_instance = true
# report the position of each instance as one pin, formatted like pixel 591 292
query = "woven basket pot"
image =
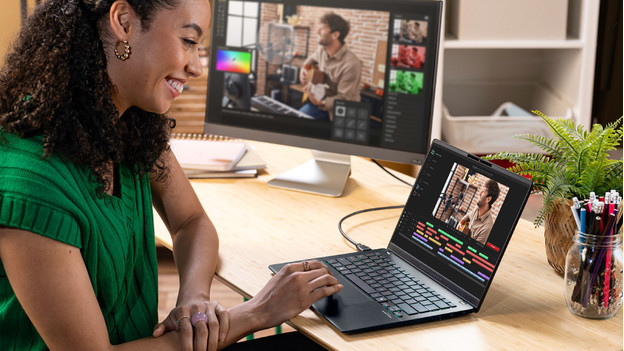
pixel 559 230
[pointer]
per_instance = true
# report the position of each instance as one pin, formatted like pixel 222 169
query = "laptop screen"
pixel 460 216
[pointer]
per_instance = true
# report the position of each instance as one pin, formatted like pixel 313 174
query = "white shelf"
pixel 452 43
pixel 564 67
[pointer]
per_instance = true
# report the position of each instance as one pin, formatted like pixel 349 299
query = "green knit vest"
pixel 58 199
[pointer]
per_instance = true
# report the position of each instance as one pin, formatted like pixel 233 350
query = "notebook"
pixel 203 152
pixel 198 174
pixel 246 167
pixel 430 270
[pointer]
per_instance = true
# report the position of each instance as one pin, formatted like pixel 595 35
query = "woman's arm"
pixel 195 249
pixel 52 284
pixel 195 240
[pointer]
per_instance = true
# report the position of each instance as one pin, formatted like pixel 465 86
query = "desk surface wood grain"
pixel 259 225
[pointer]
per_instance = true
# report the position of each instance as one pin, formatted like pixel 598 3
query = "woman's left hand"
pixel 201 324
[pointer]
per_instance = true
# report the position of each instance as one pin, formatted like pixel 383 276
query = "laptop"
pixel 437 264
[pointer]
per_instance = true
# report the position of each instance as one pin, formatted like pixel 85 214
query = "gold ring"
pixel 306 266
pixel 181 318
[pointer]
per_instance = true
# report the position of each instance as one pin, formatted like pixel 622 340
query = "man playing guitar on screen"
pixel 332 71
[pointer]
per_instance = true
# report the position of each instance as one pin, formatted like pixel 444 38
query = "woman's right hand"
pixel 293 289
pixel 205 334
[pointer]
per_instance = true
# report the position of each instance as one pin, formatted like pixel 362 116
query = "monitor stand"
pixel 326 174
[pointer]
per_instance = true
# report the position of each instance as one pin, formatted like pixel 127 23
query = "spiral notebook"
pixel 204 152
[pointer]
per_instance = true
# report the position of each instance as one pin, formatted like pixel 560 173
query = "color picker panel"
pixel 233 61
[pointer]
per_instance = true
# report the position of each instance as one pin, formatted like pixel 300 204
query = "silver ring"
pixel 306 266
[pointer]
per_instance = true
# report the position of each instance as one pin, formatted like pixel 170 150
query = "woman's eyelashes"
pixel 189 42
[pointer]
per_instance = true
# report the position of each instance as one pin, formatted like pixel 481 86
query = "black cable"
pixel 394 176
pixel 362 247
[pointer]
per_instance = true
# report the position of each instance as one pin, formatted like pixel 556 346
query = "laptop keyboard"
pixel 389 284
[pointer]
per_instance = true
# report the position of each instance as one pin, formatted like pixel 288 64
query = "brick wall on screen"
pixel 455 188
pixel 367 29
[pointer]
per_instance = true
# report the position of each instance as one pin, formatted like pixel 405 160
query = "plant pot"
pixel 559 229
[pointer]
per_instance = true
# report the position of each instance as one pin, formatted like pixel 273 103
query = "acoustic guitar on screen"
pixel 316 83
pixel 464 226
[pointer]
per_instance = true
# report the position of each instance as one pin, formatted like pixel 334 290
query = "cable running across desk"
pixel 360 246
pixel 387 171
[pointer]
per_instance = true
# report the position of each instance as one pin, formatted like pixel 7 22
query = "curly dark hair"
pixel 55 84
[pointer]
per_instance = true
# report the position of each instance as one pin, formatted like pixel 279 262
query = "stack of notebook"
pixel 208 156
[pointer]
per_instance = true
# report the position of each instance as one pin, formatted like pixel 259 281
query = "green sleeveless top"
pixel 57 199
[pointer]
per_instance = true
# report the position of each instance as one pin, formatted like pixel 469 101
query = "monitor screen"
pixel 354 77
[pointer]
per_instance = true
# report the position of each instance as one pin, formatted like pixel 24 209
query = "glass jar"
pixel 593 275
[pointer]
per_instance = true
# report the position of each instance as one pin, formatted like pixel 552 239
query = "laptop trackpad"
pixel 349 308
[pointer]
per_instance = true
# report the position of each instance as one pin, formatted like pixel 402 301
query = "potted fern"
pixel 575 162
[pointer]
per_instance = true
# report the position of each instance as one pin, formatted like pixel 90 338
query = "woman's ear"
pixel 122 20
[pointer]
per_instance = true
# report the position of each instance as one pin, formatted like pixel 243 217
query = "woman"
pixel 83 156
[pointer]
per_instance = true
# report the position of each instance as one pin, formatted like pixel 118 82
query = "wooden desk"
pixel 259 225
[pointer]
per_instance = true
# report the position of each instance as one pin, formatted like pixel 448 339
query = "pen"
pixel 611 205
pixel 582 215
pixel 597 223
pixel 597 257
pixel 576 217
pixel 589 224
pixel 607 272
pixel 577 204
pixel 600 212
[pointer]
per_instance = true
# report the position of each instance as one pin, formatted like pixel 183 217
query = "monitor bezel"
pixel 334 146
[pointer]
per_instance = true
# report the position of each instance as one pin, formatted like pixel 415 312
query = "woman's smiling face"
pixel 162 58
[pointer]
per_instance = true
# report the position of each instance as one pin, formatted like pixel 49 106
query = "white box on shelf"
pixel 468 123
pixel 508 19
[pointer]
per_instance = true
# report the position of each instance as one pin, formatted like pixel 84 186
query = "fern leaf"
pixel 557 127
pixel 575 130
pixel 515 157
pixel 591 177
pixel 613 175
pixel 549 145
pixel 541 170
pixel 613 125
pixel 558 188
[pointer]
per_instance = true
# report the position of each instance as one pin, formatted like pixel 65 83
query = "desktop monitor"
pixel 369 70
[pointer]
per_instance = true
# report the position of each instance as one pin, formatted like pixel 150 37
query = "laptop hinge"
pixel 434 275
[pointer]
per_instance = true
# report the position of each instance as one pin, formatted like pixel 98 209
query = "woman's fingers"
pixel 213 329
pixel 224 322
pixel 201 336
pixel 185 331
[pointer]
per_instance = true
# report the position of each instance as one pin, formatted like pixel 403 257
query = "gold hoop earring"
pixel 126 53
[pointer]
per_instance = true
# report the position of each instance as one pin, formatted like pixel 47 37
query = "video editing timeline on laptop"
pixel 261 46
pixel 456 190
pixel 459 253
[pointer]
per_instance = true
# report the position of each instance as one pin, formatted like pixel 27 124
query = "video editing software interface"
pixel 378 92
pixel 469 244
